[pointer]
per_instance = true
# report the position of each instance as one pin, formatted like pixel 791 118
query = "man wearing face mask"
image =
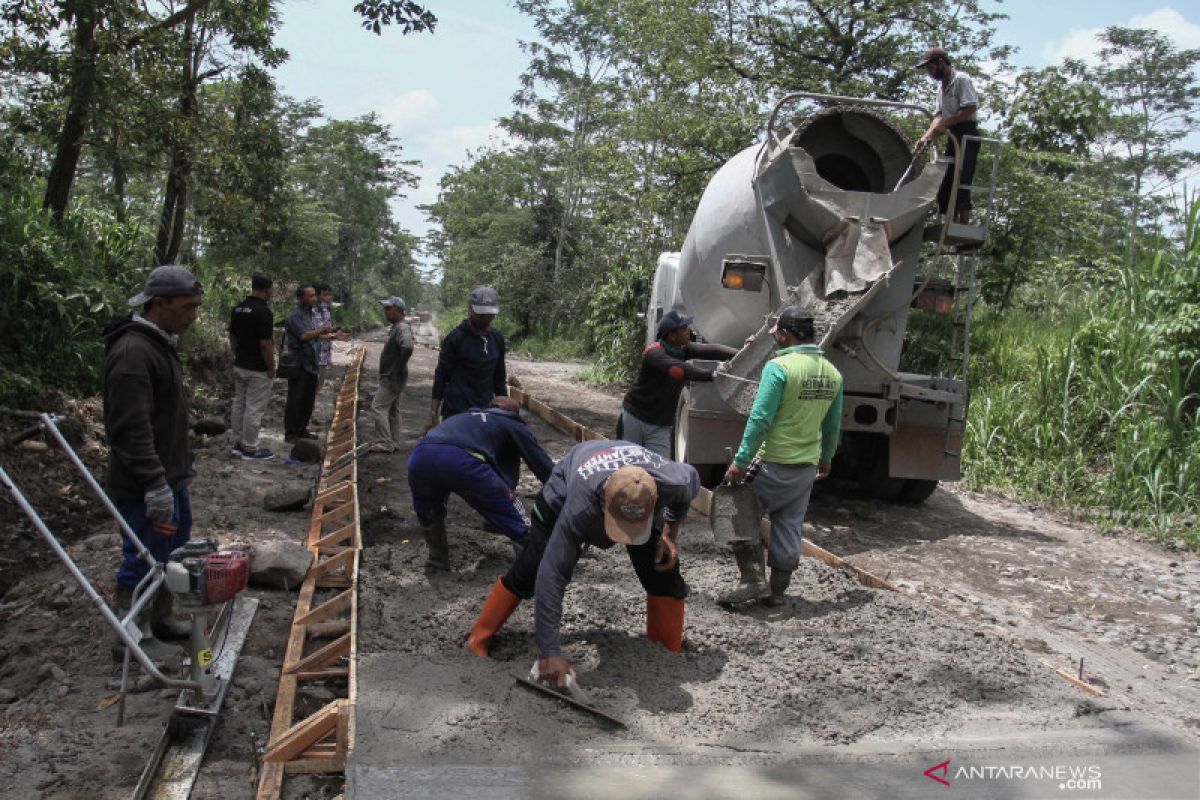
pixel 955 113
pixel 470 369
pixel 793 432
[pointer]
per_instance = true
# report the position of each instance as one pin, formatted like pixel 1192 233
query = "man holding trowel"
pixel 792 433
pixel 600 493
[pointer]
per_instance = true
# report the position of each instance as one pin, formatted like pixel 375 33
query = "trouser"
pixel 655 438
pixel 133 568
pixel 385 410
pixel 782 491
pixel 301 397
pixel 251 394
pixel 970 154
pixel 435 471
pixel 521 578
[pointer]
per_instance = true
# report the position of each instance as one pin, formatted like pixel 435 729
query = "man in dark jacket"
pixel 470 369
pixel 303 339
pixel 253 347
pixel 477 456
pixel 393 376
pixel 600 493
pixel 146 424
pixel 648 410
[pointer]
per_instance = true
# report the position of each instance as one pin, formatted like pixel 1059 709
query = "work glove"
pixel 160 503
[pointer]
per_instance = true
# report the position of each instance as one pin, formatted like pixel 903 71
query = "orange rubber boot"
pixel 500 605
pixel 664 621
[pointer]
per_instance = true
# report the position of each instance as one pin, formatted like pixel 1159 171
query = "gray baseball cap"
pixel 484 300
pixel 393 302
pixel 167 281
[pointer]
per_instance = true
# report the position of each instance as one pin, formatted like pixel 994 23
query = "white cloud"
pixel 408 112
pixel 451 144
pixel 1084 43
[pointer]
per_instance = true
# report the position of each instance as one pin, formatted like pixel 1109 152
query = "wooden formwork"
pixel 324 636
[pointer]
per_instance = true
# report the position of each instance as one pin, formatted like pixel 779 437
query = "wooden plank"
pixel 327 630
pixel 304 734
pixel 343 534
pixel 324 656
pixel 330 566
pixel 332 607
pixel 1087 687
pixel 329 674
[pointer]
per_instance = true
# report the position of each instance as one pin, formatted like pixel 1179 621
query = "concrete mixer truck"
pixel 834 212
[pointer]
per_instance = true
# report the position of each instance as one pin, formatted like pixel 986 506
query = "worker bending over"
pixel 793 430
pixel 476 455
pixel 600 493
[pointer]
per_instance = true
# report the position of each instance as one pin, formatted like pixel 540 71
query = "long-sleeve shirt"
pixel 470 369
pixel 393 361
pixel 500 437
pixel 574 494
pixel 797 413
pixel 663 374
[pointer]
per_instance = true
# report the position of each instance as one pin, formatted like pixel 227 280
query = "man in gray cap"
pixel 792 433
pixel 954 113
pixel 470 369
pixel 393 376
pixel 648 410
pixel 146 425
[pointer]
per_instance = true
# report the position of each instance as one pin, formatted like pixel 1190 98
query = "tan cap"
pixel 629 498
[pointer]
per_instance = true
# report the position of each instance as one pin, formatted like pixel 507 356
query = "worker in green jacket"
pixel 792 433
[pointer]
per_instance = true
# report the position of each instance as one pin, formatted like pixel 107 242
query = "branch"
pixel 185 13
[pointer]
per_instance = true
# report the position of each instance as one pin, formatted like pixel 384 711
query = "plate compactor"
pixel 205 585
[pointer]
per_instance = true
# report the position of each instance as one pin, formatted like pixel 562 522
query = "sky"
pixel 443 93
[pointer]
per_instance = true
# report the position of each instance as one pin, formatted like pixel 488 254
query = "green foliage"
pixel 1094 406
pixel 62 284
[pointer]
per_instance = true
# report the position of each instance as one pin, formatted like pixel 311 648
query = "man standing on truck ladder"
pixel 793 432
pixel 648 410
pixel 470 369
pixel 955 112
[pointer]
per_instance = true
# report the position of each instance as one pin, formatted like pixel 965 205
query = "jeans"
pixel 133 568
pixel 970 154
pixel 251 394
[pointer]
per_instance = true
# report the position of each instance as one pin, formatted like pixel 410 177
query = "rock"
pixel 50 670
pixel 288 497
pixel 34 446
pixel 102 541
pixel 278 565
pixel 210 426
pixel 7 696
pixel 306 451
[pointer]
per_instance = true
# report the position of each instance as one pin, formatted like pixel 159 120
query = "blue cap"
pixel 673 321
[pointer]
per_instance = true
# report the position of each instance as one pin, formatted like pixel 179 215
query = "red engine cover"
pixel 225 574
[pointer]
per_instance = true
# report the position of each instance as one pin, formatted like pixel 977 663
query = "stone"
pixel 288 497
pixel 7 696
pixel 278 565
pixel 210 426
pixel 306 451
pixel 102 541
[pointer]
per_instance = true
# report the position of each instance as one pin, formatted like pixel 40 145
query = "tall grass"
pixel 1094 406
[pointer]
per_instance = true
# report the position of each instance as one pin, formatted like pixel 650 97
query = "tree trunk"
pixel 171 220
pixel 81 89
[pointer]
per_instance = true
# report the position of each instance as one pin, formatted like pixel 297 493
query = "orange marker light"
pixel 733 280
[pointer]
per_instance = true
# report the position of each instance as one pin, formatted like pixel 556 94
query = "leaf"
pixel 109 701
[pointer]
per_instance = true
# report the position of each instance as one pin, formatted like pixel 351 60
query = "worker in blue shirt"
pixel 476 455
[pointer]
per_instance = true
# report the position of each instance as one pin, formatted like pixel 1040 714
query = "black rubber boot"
pixel 163 623
pixel 780 581
pixel 753 583
pixel 438 556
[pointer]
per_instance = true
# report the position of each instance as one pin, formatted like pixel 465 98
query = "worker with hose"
pixel 792 434
pixel 648 410
pixel 954 114
pixel 600 493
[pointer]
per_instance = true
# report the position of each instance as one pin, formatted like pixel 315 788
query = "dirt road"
pixel 841 673
pixel 841 668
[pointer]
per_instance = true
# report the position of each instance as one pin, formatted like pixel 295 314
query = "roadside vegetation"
pixel 131 135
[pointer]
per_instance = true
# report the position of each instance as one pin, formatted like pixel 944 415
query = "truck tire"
pixel 873 478
pixel 916 491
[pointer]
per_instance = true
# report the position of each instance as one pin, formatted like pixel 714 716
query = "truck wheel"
pixel 916 491
pixel 873 478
